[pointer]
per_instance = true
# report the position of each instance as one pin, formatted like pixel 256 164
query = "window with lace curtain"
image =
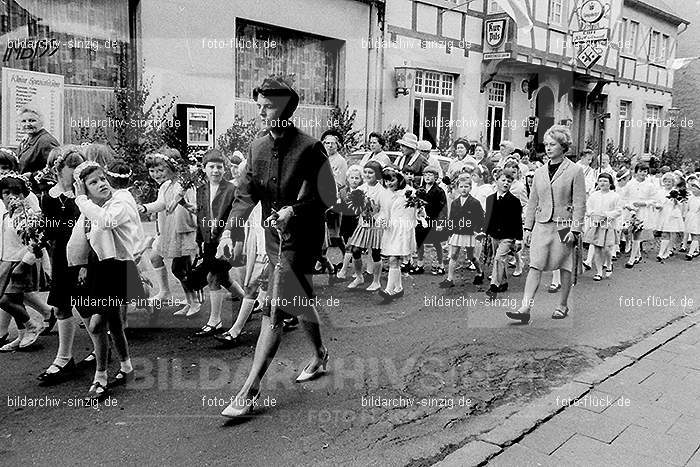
pixel 83 40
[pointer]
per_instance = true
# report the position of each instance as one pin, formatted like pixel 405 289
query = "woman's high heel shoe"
pixel 309 375
pixel 241 408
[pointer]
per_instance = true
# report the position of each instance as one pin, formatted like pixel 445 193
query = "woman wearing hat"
pixel 289 174
pixel 425 147
pixel 410 157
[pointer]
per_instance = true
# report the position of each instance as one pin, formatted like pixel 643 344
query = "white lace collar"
pixel 55 192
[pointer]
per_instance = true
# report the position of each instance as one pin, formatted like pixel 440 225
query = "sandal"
pixel 597 277
pixel 56 376
pixel 97 392
pixel 209 330
pixel 561 312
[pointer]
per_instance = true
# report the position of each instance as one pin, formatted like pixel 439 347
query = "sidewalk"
pixel 646 413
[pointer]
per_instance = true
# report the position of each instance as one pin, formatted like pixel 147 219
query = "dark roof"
pixel 660 7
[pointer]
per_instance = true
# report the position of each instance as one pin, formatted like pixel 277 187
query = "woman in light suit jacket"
pixel 553 221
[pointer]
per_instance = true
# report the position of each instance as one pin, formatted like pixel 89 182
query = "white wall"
pixel 175 51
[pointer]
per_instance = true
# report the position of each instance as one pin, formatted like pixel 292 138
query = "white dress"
pixel 604 210
pixel 399 238
pixel 670 217
pixel 692 217
pixel 646 192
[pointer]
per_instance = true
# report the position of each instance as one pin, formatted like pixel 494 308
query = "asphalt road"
pixel 463 368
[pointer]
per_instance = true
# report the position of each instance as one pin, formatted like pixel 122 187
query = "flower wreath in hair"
pixel 116 175
pixel 59 160
pixel 157 155
pixel 10 153
pixel 16 176
pixel 84 165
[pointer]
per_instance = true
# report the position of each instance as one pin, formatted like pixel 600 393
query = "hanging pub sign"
pixel 495 32
pixel 595 18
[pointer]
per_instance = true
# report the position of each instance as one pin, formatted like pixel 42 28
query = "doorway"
pixel 544 111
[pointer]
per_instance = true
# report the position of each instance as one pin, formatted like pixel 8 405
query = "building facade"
pixel 493 80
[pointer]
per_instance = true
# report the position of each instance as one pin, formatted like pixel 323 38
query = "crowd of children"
pixel 384 214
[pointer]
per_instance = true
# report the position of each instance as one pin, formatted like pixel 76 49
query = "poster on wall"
pixel 43 91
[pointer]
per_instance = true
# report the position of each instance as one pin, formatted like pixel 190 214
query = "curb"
pixel 490 444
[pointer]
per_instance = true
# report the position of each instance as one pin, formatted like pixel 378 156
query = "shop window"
pixel 313 60
pixel 651 129
pixel 86 42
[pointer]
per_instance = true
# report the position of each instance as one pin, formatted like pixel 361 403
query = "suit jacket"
pixel 292 170
pixel 34 152
pixel 561 199
pixel 468 218
pixel 504 217
pixel 436 202
pixel 210 227
pixel 416 162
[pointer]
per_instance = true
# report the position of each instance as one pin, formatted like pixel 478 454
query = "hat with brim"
pixel 431 170
pixel 409 140
pixel 424 145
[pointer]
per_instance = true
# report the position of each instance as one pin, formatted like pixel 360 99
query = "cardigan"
pixel 210 224
pixel 467 218
pixel 291 170
pixel 504 217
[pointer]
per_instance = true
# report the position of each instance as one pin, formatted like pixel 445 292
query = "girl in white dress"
pixel 368 234
pixel 670 217
pixel 399 237
pixel 642 195
pixel 604 208
pixel 692 219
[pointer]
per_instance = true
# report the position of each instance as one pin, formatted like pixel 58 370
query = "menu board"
pixel 42 91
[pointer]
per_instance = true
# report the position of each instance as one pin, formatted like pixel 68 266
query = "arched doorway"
pixel 544 111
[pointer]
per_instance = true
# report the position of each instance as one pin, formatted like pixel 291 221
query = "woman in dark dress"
pixel 289 173
pixel 34 150
pixel 60 215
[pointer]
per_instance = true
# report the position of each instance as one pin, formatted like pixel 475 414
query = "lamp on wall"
pixel 404 76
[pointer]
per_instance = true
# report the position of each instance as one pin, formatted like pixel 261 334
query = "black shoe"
pixel 208 330
pixel 503 287
pixel 586 266
pixel 629 265
pixel 492 292
pixel 406 267
pixel 446 284
pixel 478 279
pixel 523 317
pixel 63 373
pixel 227 339
pixel 87 362
pixel 398 294
pixel 438 271
pixel 383 293
pixel 417 270
pixel 122 378
pixel 50 323
pixel 688 257
pixel 290 323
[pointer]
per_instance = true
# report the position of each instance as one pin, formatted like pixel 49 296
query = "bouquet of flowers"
pixel 413 198
pixel 45 177
pixel 361 204
pixel 679 195
pixel 29 226
pixel 193 175
pixel 636 224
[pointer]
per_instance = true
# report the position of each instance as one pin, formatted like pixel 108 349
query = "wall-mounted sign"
pixel 497 55
pixel 42 91
pixel 591 11
pixel 495 32
pixel 590 36
pixel 588 56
